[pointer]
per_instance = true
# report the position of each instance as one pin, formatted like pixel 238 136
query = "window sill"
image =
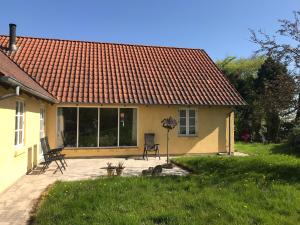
pixel 19 152
pixel 187 135
pixel 101 148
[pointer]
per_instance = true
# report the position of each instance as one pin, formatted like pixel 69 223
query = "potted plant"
pixel 110 169
pixel 120 168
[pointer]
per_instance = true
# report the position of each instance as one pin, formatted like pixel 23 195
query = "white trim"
pixel 42 109
pixel 187 122
pixel 17 129
pixel 118 142
pixel 77 126
pixel 98 129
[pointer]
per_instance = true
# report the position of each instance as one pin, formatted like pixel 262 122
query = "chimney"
pixel 12 37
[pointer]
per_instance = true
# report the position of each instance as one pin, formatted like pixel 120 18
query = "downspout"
pixel 229 127
pixel 17 93
pixel 12 82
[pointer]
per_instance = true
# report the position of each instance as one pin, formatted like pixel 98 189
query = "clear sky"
pixel 218 26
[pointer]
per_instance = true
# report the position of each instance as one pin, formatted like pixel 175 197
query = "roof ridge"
pixel 109 43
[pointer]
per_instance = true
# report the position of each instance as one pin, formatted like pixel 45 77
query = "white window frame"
pixel 43 112
pixel 18 116
pixel 187 124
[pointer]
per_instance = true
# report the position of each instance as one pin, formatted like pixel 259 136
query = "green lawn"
pixel 263 188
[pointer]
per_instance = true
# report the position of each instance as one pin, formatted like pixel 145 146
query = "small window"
pixel 187 122
pixel 19 123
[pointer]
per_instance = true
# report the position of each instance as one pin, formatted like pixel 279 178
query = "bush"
pixel 294 137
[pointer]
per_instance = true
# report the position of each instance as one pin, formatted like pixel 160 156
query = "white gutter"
pixel 18 85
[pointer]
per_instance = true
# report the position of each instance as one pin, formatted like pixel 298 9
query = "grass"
pixel 263 188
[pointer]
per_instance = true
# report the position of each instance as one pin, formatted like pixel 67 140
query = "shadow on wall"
pixel 32 159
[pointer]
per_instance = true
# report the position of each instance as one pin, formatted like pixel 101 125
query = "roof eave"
pixel 13 82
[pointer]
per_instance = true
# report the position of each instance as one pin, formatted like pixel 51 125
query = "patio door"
pixel 42 130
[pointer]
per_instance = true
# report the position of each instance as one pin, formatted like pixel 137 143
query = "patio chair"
pixel 56 151
pixel 150 145
pixel 50 157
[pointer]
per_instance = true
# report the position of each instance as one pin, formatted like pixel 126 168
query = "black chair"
pixel 50 157
pixel 55 151
pixel 150 145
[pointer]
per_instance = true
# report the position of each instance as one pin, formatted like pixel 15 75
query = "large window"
pixel 187 122
pixel 108 127
pixel 127 127
pixel 96 127
pixel 67 126
pixel 19 124
pixel 88 127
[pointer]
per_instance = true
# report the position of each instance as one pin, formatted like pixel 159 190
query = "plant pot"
pixel 110 171
pixel 119 171
pixel 168 166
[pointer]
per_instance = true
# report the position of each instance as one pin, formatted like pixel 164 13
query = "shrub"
pixel 294 137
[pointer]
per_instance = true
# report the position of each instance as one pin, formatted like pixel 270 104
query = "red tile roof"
pixel 9 69
pixel 92 72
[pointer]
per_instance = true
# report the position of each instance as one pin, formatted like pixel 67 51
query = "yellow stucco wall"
pixel 16 161
pixel 212 135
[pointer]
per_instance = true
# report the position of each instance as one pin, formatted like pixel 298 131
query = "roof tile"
pixel 92 72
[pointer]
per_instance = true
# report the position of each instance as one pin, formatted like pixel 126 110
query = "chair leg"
pixel 144 154
pixel 62 164
pixel 158 154
pixel 65 162
pixel 43 168
pixel 59 167
pixel 147 155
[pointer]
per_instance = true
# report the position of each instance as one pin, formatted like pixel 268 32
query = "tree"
pixel 242 74
pixel 287 53
pixel 275 90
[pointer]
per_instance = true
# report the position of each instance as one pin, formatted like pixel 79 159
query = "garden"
pixel 262 188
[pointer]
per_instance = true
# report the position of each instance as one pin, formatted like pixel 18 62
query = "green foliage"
pixel 294 138
pixel 263 188
pixel 269 91
pixel 275 92
pixel 242 74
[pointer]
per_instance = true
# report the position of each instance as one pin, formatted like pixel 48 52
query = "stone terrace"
pixel 17 202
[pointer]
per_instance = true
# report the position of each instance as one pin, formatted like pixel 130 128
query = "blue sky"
pixel 218 26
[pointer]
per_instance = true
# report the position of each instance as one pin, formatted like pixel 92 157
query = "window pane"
pixel 88 127
pixel 108 127
pixel 17 108
pixel 182 113
pixel 21 108
pixel 16 123
pixel 16 137
pixel 128 127
pixel 192 121
pixel 192 113
pixel 192 130
pixel 21 122
pixel 20 137
pixel 67 126
pixel 182 121
pixel 182 130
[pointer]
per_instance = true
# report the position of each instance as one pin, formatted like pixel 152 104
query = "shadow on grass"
pixel 232 169
pixel 285 149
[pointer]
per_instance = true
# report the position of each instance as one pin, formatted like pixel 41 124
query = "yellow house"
pixel 99 99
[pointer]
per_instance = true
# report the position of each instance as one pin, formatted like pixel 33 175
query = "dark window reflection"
pixel 108 127
pixel 128 127
pixel 88 127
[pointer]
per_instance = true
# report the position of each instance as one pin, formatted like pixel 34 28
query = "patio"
pixel 17 202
